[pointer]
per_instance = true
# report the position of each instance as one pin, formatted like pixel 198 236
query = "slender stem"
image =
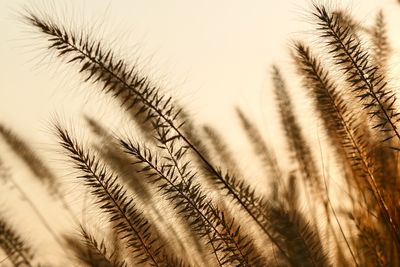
pixel 333 210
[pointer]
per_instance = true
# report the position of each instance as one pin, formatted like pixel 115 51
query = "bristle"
pixel 18 252
pixel 29 157
pixel 135 231
pixel 366 80
pixel 255 205
pixel 40 170
pixel 261 149
pixel 381 48
pixel 367 83
pixel 91 252
pixel 101 66
pixel 177 184
pixel 299 148
pixel 221 149
pixel 297 143
pixel 341 125
pixel 299 238
pixel 370 242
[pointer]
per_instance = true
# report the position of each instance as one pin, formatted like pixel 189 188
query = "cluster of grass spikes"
pixel 175 197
